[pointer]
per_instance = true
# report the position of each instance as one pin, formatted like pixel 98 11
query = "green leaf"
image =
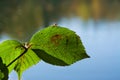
pixel 25 61
pixel 58 46
pixel 3 71
pixel 48 58
pixel 9 50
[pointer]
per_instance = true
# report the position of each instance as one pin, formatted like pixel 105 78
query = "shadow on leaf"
pixel 48 58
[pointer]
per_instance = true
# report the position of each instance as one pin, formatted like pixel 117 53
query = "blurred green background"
pixel 21 18
pixel 96 21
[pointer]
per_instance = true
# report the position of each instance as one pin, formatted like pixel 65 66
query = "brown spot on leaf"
pixel 55 39
pixel 78 36
pixel 67 40
pixel 77 40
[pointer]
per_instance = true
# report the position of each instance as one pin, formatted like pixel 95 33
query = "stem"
pixel 17 57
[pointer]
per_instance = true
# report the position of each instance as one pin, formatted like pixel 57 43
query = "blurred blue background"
pixel 97 22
